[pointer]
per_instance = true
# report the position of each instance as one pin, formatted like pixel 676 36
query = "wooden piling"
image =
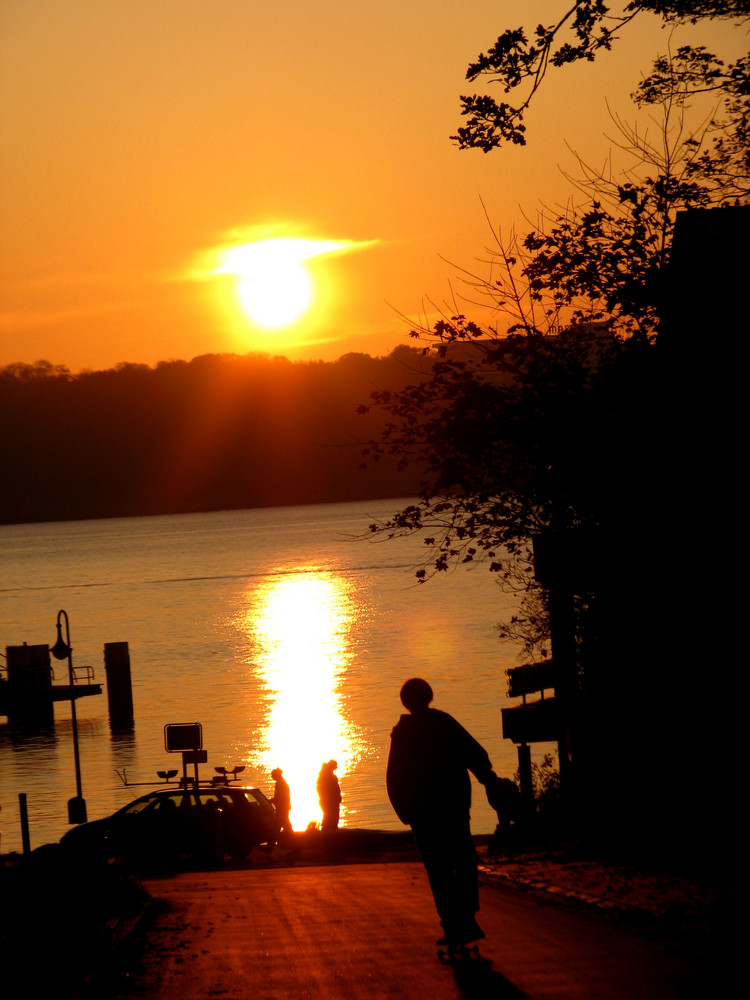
pixel 119 686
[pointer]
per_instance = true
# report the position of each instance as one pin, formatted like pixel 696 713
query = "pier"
pixel 27 692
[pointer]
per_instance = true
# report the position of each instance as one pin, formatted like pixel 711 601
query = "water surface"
pixel 280 630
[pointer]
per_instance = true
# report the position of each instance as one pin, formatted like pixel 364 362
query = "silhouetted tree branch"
pixel 520 59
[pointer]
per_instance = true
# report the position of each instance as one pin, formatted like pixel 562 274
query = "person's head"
pixel 332 765
pixel 276 773
pixel 416 694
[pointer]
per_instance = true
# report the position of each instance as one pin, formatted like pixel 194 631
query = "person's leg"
pixel 435 850
pixel 465 864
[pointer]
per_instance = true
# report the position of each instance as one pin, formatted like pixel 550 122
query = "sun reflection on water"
pixel 299 626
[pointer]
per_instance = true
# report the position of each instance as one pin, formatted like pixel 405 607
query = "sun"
pixel 274 287
pixel 275 293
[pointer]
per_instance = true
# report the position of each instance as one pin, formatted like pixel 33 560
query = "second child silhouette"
pixel 329 795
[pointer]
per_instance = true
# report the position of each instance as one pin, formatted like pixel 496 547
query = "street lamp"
pixel 61 650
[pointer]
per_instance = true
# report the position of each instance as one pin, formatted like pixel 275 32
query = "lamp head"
pixel 61 650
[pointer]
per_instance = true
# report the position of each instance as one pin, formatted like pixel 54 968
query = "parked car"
pixel 172 822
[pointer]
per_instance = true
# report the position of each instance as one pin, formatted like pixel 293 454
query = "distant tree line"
pixel 216 433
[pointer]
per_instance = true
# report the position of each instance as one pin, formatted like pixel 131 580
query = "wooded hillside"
pixel 218 432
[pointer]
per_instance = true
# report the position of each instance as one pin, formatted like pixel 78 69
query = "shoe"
pixel 472 932
pixel 451 938
pixel 459 933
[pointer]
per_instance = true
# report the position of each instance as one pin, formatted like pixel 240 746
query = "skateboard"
pixel 456 952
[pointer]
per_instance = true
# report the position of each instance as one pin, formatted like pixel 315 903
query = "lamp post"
pixel 61 650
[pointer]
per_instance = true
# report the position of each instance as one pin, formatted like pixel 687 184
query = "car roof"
pixel 203 789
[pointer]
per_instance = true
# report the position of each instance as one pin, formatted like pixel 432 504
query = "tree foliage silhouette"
pixel 513 421
pixel 520 60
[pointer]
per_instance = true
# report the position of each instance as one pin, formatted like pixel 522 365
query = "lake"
pixel 285 632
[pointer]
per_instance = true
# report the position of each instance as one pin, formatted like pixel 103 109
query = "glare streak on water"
pixel 283 633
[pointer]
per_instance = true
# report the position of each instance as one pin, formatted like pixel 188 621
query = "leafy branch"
pixel 586 28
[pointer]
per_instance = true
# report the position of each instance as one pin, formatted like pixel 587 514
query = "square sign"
pixel 183 736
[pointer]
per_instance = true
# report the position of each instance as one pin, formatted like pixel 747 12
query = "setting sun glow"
pixel 298 629
pixel 274 285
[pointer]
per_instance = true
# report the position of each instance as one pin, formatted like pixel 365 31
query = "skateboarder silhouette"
pixel 428 784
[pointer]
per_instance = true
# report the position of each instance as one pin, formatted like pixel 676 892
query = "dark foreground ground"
pixel 352 917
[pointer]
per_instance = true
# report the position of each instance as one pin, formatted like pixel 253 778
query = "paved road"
pixel 367 932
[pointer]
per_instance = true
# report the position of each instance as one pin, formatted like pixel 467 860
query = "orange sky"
pixel 135 135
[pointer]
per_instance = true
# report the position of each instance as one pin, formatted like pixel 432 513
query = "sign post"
pixel 186 738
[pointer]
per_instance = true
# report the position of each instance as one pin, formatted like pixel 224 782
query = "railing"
pixel 85 674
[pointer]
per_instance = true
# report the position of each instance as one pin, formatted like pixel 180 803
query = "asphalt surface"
pixel 366 931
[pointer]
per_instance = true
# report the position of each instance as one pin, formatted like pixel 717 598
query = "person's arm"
pixel 472 754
